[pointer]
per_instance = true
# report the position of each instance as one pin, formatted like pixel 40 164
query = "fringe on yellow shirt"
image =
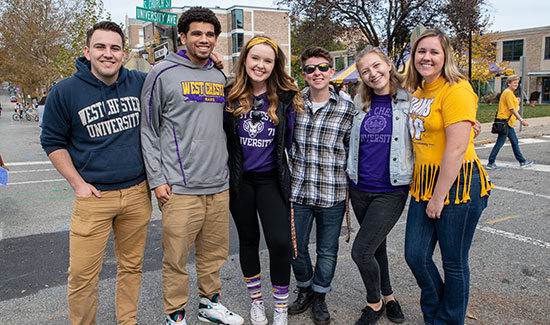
pixel 425 177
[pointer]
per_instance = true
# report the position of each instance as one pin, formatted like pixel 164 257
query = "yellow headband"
pixel 259 40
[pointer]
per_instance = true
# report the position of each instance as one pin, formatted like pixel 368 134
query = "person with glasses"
pixel 261 108
pixel 449 188
pixel 318 182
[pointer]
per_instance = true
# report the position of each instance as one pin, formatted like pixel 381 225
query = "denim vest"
pixel 401 152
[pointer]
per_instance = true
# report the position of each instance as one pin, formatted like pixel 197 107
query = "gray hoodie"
pixel 182 137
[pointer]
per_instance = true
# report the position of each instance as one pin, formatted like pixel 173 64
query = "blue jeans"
pixel 510 134
pixel 329 223
pixel 444 302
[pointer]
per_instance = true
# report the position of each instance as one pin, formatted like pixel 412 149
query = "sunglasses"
pixel 258 103
pixel 323 67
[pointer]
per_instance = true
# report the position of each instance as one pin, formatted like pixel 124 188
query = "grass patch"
pixel 486 113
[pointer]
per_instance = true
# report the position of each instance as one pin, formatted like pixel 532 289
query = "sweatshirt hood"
pixel 182 59
pixel 84 72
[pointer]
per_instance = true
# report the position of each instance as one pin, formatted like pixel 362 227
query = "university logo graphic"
pixel 375 124
pixel 252 128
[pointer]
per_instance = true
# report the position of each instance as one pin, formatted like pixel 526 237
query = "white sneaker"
pixel 257 313
pixel 280 316
pixel 212 311
pixel 176 318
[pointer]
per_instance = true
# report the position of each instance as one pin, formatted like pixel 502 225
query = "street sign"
pixel 156 16
pixel 157 4
pixel 160 52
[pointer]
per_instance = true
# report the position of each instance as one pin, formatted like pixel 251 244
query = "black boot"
pixel 302 302
pixel 321 315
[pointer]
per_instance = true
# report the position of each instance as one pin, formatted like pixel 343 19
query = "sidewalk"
pixel 538 126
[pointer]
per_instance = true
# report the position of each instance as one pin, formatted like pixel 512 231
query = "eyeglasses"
pixel 323 67
pixel 258 103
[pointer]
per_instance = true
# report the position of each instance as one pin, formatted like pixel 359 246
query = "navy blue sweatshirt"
pixel 99 126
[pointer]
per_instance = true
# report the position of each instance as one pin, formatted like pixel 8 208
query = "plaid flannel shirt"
pixel 319 152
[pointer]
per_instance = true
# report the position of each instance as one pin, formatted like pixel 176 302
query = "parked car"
pixel 13 99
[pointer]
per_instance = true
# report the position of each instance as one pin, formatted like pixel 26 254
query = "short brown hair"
pixel 513 77
pixel 105 25
pixel 316 52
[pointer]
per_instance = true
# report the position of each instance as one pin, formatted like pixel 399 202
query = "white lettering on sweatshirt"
pixel 126 105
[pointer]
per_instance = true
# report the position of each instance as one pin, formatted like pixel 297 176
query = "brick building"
pixel 533 43
pixel 239 25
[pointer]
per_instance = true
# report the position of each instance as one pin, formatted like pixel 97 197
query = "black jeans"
pixel 377 213
pixel 260 194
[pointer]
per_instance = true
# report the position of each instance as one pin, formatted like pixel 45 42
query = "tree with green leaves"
pixel 40 39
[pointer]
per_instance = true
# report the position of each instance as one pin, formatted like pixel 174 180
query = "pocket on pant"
pixel 82 215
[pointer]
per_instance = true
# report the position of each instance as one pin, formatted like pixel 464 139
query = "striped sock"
pixel 280 297
pixel 254 285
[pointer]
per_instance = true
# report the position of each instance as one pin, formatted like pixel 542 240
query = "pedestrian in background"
pixel 104 166
pixel 40 109
pixel 259 124
pixel 380 168
pixel 508 109
pixel 450 188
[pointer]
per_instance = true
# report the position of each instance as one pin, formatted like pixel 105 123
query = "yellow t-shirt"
pixel 433 108
pixel 507 102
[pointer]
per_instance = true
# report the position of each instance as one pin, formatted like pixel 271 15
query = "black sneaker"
pixel 369 316
pixel 302 302
pixel 394 312
pixel 321 316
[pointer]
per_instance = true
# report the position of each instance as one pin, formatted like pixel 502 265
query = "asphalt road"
pixel 510 256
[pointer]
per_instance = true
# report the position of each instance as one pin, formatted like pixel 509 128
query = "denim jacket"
pixel 401 152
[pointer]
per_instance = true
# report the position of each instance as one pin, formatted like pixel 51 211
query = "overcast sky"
pixel 505 14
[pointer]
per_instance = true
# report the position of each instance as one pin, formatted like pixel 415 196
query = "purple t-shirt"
pixel 257 138
pixel 374 148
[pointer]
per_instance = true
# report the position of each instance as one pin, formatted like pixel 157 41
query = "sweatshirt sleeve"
pixel 56 123
pixel 151 111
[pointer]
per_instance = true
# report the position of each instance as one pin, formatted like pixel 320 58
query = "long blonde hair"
pixel 279 80
pixel 450 71
pixel 364 91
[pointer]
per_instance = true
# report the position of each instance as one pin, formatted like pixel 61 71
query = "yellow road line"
pixel 501 219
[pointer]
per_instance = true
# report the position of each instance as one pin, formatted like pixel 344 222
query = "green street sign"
pixel 160 17
pixel 157 4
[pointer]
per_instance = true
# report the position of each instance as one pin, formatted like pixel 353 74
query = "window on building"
pixel 140 37
pixel 547 49
pixel 238 39
pixel 236 18
pixel 340 63
pixel 512 50
pixel 351 59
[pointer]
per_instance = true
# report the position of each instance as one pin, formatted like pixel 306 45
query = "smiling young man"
pixel 91 135
pixel 318 181
pixel 184 149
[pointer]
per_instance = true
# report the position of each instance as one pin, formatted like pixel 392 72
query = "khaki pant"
pixel 202 220
pixel 127 212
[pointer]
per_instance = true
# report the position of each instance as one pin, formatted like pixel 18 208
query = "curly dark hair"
pixel 105 25
pixel 198 14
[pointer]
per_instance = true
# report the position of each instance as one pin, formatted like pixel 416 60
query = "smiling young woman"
pixel 259 123
pixel 380 168
pixel 450 188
